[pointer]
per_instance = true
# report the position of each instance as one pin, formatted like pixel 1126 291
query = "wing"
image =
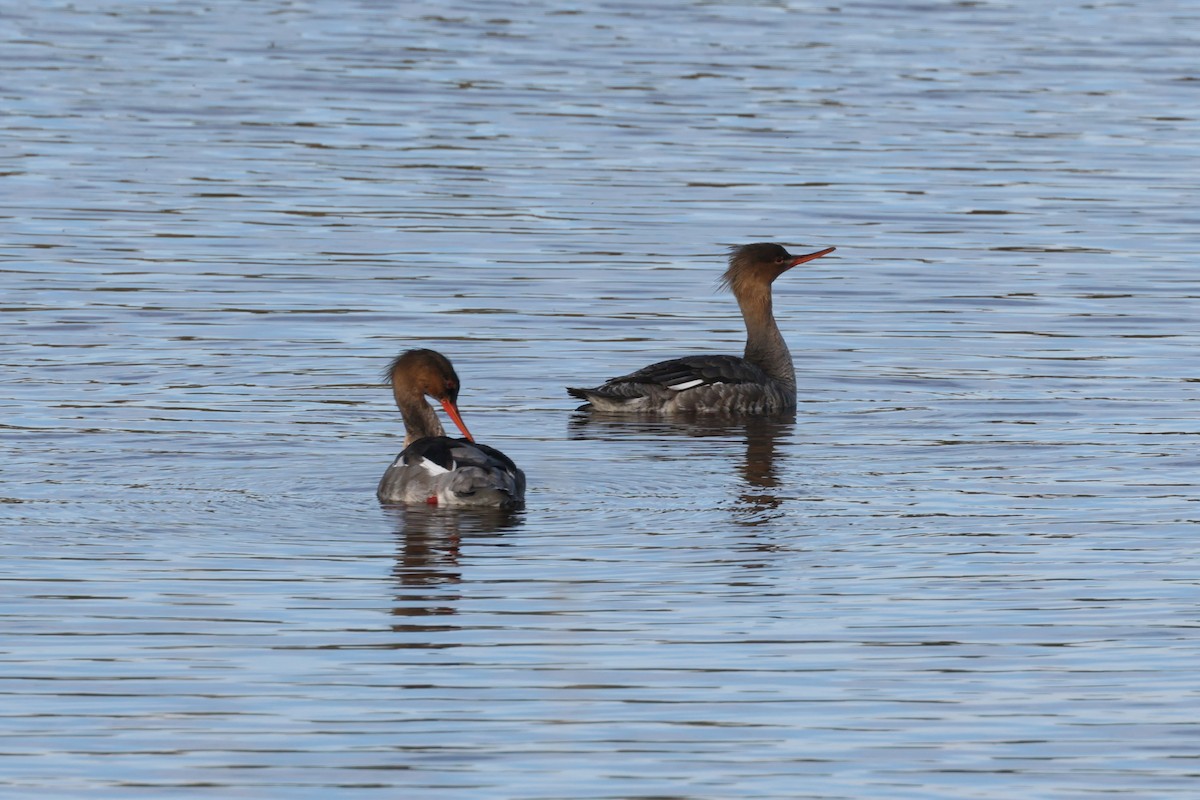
pixel 689 372
pixel 442 454
pixel 694 384
pixel 494 459
pixel 676 375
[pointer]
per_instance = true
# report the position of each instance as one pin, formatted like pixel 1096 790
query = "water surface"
pixel 965 569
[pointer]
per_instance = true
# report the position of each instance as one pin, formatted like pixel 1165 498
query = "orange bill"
pixel 811 256
pixel 452 410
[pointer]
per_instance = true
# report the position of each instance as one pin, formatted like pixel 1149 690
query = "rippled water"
pixel 966 569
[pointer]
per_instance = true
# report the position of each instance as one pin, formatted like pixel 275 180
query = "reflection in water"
pixel 427 562
pixel 757 501
pixel 759 470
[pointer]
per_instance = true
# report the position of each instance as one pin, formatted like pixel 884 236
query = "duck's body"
pixel 434 468
pixel 763 381
pixel 709 384
pixel 442 471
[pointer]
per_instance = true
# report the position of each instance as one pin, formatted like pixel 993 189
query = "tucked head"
pixel 415 373
pixel 426 371
pixel 761 263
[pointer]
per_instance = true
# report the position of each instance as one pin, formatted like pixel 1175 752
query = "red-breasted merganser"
pixel 433 468
pixel 761 382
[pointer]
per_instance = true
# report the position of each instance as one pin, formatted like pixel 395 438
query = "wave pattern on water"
pixel 966 568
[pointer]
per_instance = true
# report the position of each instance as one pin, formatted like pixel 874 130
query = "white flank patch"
pixel 679 387
pixel 432 468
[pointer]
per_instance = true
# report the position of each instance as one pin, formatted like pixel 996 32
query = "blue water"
pixel 967 569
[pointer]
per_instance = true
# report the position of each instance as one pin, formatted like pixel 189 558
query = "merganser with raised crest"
pixel 763 381
pixel 433 468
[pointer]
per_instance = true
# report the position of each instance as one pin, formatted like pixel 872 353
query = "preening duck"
pixel 434 468
pixel 763 381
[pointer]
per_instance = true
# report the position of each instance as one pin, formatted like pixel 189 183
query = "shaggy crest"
pixel 761 260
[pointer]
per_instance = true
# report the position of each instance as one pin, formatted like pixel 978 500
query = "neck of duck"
pixel 765 347
pixel 420 420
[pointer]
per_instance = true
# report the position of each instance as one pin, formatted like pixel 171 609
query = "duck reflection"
pixel 429 542
pixel 758 501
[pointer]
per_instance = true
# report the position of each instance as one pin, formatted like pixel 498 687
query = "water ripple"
pixel 966 564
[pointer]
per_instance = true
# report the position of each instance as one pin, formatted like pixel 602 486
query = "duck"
pixel 434 468
pixel 761 381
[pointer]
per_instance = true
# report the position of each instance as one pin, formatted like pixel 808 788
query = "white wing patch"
pixel 432 468
pixel 679 387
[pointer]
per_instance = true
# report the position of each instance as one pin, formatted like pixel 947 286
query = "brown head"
pixel 758 265
pixel 415 374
